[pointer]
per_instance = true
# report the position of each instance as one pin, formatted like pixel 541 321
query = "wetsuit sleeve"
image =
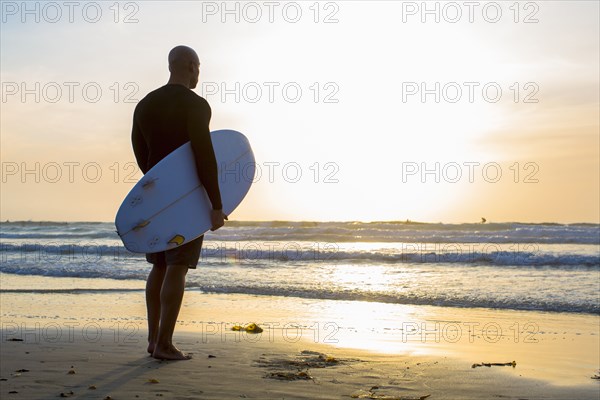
pixel 140 148
pixel 206 163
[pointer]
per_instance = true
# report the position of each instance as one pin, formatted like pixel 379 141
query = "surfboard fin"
pixel 141 225
pixel 149 183
pixel 177 240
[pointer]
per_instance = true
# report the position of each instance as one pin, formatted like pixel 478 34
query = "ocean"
pixel 516 266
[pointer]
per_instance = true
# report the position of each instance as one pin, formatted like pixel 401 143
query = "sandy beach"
pixel 91 344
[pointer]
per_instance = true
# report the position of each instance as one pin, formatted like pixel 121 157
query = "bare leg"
pixel 153 286
pixel 171 296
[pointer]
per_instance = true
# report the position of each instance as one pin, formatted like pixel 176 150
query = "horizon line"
pixel 407 221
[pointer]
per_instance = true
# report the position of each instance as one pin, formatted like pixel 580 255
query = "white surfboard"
pixel 169 207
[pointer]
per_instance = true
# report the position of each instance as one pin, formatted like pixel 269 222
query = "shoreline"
pixel 39 284
pixel 404 350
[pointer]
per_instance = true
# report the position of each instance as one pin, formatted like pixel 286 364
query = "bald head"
pixel 184 66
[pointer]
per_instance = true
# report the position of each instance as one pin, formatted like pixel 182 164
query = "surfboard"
pixel 169 207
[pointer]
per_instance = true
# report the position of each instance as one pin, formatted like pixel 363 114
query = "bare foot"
pixel 151 347
pixel 170 353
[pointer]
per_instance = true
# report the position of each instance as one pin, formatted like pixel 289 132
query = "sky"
pixel 356 110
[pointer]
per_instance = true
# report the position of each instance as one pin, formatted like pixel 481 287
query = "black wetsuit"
pixel 164 120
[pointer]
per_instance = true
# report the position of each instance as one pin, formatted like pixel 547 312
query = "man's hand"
pixel 217 219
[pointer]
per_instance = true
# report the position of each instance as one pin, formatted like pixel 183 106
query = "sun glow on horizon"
pixel 384 127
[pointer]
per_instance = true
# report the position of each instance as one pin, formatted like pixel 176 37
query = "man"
pixel 164 120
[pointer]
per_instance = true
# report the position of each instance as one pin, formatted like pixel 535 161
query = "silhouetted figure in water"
pixel 483 220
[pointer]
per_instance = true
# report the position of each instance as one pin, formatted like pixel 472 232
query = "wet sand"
pixel 91 344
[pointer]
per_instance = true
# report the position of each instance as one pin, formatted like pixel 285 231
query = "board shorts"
pixel 187 254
